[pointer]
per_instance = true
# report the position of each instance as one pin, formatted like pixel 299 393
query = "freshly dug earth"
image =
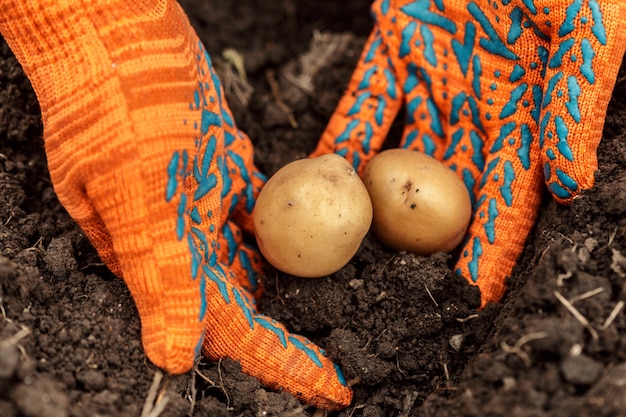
pixel 403 328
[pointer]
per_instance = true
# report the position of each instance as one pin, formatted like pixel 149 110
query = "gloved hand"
pixel 506 93
pixel 144 154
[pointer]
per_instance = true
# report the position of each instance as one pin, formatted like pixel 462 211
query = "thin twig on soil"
pixel 156 400
pixel 278 297
pixel 22 351
pixel 587 294
pixel 616 310
pixel 193 389
pixel 611 237
pixel 380 273
pixel 447 374
pixel 560 279
pixel 517 347
pixel 322 52
pixel 398 364
pixel 219 372
pixel 569 240
pixel 356 407
pixel 205 378
pixel 618 263
pixel 468 318
pixel 270 75
pixel 577 315
pixel 14 340
pixel 36 246
pixel 431 296
pixel 215 384
pixel 367 344
pixel 407 403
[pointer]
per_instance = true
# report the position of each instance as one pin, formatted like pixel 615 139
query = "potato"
pixel 312 215
pixel 420 205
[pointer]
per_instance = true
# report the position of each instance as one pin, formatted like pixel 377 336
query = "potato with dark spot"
pixel 420 205
pixel 312 215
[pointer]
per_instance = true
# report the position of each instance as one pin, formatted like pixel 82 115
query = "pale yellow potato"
pixel 420 205
pixel 312 215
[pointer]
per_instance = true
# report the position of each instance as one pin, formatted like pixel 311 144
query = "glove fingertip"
pixel 565 180
pixel 267 351
pixel 173 348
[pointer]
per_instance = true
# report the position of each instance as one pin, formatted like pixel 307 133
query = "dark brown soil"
pixel 402 325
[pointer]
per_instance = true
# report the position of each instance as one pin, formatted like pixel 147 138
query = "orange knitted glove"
pixel 507 93
pixel 144 154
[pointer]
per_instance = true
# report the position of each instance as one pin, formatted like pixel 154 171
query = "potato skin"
pixel 312 215
pixel 420 205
